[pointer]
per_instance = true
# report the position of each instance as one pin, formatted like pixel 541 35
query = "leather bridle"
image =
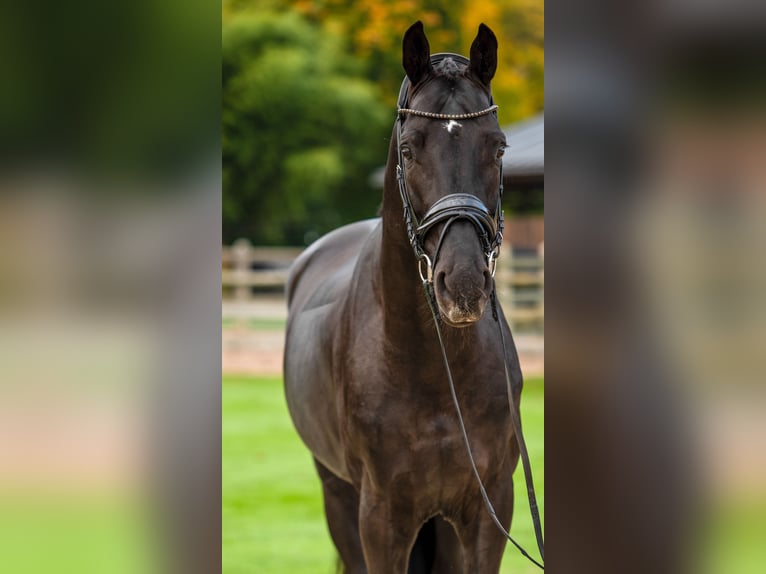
pixel 449 209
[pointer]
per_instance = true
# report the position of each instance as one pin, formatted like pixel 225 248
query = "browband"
pixel 404 90
pixel 435 116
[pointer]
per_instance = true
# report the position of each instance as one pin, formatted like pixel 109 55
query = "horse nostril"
pixel 441 282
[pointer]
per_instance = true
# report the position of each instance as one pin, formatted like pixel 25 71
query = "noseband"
pixel 451 207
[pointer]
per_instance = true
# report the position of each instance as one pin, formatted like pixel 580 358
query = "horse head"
pixel 450 149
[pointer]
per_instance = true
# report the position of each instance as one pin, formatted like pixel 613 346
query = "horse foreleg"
pixel 449 553
pixel 387 535
pixel 483 542
pixel 341 504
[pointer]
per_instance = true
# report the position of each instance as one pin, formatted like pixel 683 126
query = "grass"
pixel 72 531
pixel 732 537
pixel 272 513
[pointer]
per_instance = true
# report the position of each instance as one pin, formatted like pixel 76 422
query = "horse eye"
pixel 500 151
pixel 406 152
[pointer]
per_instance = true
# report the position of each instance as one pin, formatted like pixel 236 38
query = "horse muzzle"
pixel 462 294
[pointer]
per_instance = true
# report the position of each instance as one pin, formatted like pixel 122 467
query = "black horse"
pixel 364 376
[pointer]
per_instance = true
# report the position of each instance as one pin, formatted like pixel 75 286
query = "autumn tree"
pixel 302 131
pixel 375 29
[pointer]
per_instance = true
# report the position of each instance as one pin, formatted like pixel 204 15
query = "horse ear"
pixel 484 55
pixel 416 53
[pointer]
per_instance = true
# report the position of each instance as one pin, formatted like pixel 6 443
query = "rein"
pixel 515 421
pixel 490 229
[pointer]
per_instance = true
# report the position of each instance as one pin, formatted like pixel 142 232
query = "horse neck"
pixel 407 319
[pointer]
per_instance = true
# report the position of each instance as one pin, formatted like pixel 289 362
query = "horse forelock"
pixel 450 89
pixel 449 68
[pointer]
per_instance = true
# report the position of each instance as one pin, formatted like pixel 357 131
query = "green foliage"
pixel 301 131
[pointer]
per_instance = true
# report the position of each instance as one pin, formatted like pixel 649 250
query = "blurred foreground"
pixel 109 379
pixel 656 287
pixel 110 187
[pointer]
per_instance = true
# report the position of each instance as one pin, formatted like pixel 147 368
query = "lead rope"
pixel 430 297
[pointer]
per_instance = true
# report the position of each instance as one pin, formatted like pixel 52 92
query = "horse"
pixel 364 374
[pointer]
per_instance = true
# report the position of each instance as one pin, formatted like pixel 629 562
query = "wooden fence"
pixel 250 272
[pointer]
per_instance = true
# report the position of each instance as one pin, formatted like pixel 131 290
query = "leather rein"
pixel 449 209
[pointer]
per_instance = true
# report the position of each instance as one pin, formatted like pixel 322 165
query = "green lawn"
pixel 273 520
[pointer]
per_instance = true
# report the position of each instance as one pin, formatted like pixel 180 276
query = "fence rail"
pixel 249 272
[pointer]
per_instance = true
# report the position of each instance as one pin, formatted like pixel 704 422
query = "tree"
pixel 301 131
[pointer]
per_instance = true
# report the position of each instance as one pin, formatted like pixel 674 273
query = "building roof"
pixel 525 156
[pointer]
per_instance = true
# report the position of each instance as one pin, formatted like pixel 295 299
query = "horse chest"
pixel 400 437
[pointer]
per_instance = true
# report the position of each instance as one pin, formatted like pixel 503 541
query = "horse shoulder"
pixel 317 290
pixel 317 275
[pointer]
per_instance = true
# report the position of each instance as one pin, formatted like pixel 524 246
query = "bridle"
pixel 449 209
